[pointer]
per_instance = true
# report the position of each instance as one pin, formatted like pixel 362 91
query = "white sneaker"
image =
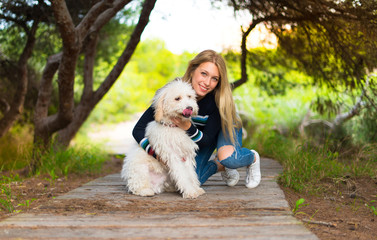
pixel 253 175
pixel 230 176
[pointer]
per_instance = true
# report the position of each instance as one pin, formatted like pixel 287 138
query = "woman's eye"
pixel 204 74
pixel 177 98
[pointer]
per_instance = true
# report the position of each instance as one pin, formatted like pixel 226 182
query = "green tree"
pixel 333 41
pixel 151 67
pixel 79 26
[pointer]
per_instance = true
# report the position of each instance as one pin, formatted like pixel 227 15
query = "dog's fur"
pixel 144 175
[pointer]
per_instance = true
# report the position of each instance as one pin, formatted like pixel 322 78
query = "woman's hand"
pixel 185 125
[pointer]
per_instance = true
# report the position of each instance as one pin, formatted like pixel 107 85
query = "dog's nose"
pixel 189 108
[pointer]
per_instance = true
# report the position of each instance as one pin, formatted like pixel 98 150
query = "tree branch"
pixel 17 105
pixel 128 51
pixel 91 17
pixel 66 75
pixel 45 88
pixel 64 22
pixel 90 53
pixel 244 76
pixel 341 118
pixel 107 15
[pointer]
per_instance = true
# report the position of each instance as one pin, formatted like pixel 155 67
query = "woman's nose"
pixel 207 81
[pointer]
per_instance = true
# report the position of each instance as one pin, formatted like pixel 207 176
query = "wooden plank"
pixel 128 220
pixel 275 232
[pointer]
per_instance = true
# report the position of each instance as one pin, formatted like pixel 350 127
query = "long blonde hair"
pixel 222 92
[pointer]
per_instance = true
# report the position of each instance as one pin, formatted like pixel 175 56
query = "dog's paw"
pixel 201 191
pixel 146 192
pixel 193 194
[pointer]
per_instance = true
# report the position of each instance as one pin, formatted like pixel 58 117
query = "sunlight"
pixel 197 25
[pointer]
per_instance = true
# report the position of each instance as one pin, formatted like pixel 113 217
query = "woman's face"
pixel 205 78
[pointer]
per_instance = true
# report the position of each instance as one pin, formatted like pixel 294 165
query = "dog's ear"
pixel 158 103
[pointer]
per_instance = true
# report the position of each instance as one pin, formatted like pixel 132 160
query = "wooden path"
pixel 222 213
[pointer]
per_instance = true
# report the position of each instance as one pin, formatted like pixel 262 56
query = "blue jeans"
pixel 241 157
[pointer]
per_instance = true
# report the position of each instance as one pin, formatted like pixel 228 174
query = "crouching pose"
pixel 216 127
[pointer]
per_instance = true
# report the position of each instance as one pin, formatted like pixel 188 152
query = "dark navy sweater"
pixel 204 130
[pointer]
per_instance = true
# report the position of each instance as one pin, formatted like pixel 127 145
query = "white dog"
pixel 144 175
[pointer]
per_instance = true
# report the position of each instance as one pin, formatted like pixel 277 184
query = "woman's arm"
pixel 207 135
pixel 139 131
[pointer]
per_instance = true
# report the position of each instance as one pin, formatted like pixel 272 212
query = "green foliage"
pixel 363 128
pixel 14 147
pixel 273 104
pixel 281 111
pixel 151 66
pixel 274 73
pixel 113 38
pixel 298 205
pixel 16 153
pixel 306 164
pixel 371 207
pixel 76 159
pixel 6 198
pixel 6 195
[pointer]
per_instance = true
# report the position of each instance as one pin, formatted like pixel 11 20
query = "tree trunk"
pixel 90 99
pixel 41 135
pixel 244 76
pixel 65 64
pixel 16 107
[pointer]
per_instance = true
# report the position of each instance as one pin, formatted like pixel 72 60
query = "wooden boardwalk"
pixel 222 213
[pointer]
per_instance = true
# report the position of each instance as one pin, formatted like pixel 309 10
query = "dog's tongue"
pixel 187 112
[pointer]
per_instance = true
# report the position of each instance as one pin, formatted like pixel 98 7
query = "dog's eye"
pixel 177 98
pixel 189 96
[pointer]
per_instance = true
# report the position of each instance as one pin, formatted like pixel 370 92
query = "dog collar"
pixel 168 124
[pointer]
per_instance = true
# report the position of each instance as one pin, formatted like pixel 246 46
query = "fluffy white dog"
pixel 144 175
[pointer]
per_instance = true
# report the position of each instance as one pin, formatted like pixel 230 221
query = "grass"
pixel 14 147
pixel 56 164
pixel 6 198
pixel 371 207
pixel 76 159
pixel 306 164
pixel 6 195
pixel 16 152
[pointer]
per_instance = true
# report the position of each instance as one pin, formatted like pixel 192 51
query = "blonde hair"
pixel 222 92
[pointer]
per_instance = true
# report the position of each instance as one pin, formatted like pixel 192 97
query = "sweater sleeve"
pixel 209 133
pixel 139 131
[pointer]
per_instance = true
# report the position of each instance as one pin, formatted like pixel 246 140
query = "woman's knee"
pixel 227 156
pixel 225 152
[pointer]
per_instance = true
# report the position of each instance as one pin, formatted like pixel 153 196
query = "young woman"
pixel 217 125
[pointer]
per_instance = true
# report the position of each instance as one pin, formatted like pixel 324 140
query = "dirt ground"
pixel 339 212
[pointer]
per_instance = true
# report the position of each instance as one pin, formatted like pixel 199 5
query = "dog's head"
pixel 175 99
